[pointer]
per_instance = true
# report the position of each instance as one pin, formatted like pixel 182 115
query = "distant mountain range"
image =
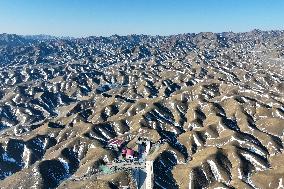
pixel 35 49
pixel 43 37
pixel 14 39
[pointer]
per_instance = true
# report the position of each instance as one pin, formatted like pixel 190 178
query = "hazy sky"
pixel 163 17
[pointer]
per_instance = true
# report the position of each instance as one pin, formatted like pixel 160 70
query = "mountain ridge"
pixel 211 105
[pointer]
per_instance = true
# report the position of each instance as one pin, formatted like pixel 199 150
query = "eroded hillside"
pixel 216 99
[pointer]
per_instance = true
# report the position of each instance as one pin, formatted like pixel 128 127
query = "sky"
pixel 80 18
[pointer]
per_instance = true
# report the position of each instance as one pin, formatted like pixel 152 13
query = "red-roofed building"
pixel 129 154
pixel 124 150
pixel 115 143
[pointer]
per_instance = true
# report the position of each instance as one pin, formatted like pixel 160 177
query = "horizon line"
pixel 139 34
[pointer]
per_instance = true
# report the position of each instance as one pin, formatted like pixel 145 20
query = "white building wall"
pixel 150 175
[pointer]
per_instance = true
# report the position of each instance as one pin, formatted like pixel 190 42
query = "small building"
pixel 129 154
pixel 105 169
pixel 115 143
pixel 123 152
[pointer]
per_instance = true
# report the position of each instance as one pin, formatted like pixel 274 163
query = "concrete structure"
pixel 142 172
pixel 139 176
pixel 150 175
pixel 144 177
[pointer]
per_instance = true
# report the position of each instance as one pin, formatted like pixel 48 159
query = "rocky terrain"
pixel 217 99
